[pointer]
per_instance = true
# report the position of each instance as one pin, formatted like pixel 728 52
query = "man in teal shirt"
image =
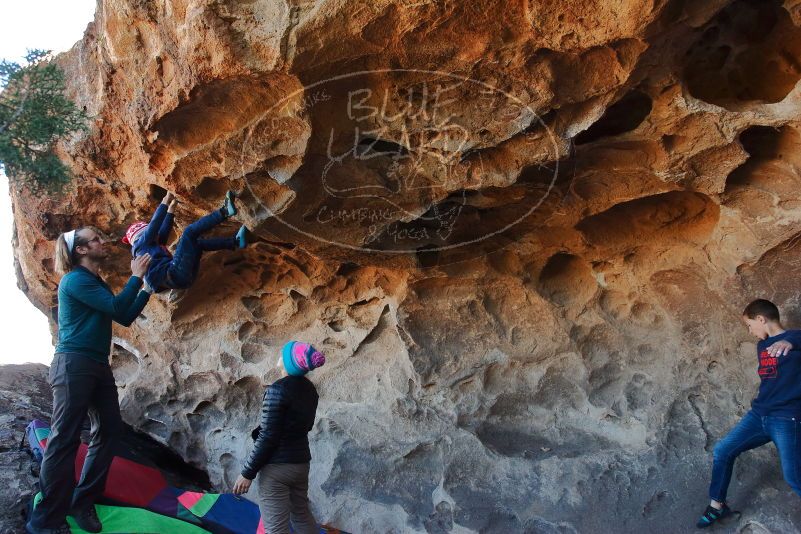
pixel 82 381
pixel 86 307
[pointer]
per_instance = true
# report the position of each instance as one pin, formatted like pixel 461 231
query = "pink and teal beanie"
pixel 300 358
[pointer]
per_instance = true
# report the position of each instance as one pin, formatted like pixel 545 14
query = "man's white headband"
pixel 69 237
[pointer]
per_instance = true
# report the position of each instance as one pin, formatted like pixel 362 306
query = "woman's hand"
pixel 171 207
pixel 167 198
pixel 139 265
pixel 242 485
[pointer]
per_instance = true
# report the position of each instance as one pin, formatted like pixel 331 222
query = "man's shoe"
pixel 87 519
pixel 63 529
pixel 712 514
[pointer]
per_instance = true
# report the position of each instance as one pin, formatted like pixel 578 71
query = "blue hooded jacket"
pixel 153 241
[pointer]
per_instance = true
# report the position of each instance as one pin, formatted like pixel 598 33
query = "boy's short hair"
pixel 762 307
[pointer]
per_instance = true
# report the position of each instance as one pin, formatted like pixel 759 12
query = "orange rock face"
pixel 522 232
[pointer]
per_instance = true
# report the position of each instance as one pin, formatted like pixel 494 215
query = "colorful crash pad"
pixel 220 513
pixel 131 484
pixel 37 433
pixel 128 483
pixel 128 520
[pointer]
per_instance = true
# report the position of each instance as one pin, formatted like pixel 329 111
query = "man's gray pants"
pixel 81 386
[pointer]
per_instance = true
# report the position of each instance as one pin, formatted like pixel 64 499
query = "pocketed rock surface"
pixel 522 232
pixel 24 396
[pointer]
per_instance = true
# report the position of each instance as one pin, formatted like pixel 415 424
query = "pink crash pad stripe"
pixel 189 499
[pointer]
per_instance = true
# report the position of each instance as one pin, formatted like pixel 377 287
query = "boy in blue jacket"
pixel 775 413
pixel 179 271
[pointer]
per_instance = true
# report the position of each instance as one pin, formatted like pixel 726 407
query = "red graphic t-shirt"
pixel 768 365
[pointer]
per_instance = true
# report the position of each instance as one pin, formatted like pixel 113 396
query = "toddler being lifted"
pixel 180 271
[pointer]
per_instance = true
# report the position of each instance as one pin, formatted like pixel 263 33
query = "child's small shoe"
pixel 712 514
pixel 242 237
pixel 229 209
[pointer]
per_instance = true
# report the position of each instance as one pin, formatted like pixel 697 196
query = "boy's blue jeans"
pixel 184 266
pixel 753 431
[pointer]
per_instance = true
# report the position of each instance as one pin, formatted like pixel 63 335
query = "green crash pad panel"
pixel 122 520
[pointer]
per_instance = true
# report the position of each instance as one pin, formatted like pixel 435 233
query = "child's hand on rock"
pixel 169 197
pixel 171 207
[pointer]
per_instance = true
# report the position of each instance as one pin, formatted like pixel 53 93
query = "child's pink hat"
pixel 134 229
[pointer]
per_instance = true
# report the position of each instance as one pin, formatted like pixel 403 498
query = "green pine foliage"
pixel 34 115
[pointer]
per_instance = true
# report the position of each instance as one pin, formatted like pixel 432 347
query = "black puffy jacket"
pixel 287 415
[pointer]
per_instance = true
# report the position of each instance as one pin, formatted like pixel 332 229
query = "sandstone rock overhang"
pixel 523 233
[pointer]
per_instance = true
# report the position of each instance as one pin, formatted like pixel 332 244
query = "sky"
pixel 51 25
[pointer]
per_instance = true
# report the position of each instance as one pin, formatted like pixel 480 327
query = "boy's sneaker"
pixel 229 209
pixel 242 237
pixel 712 514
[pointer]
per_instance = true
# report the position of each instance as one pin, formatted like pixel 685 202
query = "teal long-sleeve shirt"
pixel 86 307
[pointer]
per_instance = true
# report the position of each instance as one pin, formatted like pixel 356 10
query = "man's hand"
pixel 167 198
pixel 780 348
pixel 171 207
pixel 242 485
pixel 139 265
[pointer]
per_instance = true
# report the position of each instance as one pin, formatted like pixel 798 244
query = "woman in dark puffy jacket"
pixel 281 453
